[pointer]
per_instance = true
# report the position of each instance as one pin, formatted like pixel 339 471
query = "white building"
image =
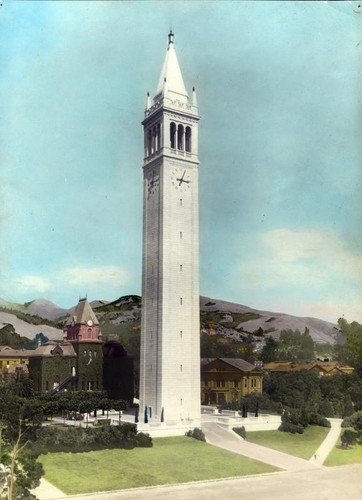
pixel 170 331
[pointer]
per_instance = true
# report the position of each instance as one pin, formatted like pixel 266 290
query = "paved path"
pixel 329 442
pixel 319 483
pixel 46 491
pixel 218 435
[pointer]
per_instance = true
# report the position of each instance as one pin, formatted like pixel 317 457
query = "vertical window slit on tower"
pixel 181 333
pixel 180 267
pixel 180 235
pixel 180 137
pixel 180 368
pixel 181 301
pixel 181 202
pixel 188 139
pixel 173 135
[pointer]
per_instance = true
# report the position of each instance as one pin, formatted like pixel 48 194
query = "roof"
pixel 9 352
pixel 83 313
pixel 52 348
pixel 290 366
pixel 171 81
pixel 238 363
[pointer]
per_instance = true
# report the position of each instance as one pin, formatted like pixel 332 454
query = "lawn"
pixel 170 460
pixel 300 445
pixel 338 456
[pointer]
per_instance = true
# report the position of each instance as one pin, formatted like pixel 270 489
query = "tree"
pixel 19 469
pixel 350 351
pixel 269 351
pixel 120 406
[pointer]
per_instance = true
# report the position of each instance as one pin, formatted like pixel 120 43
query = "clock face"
pixel 152 183
pixel 180 179
pixel 89 322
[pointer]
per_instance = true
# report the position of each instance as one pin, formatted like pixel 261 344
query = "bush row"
pixel 295 421
pixel 78 439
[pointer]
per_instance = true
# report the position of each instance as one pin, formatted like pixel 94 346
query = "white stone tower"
pixel 170 331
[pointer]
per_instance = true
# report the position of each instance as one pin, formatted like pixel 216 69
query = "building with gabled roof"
pixel 13 360
pixel 323 368
pixel 224 380
pixel 52 366
pixel 83 332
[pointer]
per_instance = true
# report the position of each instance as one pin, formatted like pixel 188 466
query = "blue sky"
pixel 279 86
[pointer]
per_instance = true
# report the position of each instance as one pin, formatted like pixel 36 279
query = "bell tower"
pixel 82 330
pixel 170 329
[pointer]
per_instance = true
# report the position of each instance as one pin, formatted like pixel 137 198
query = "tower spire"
pixel 171 83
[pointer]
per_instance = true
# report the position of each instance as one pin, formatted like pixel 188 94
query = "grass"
pixel 339 456
pixel 300 445
pixel 171 460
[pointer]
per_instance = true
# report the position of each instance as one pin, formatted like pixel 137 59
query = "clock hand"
pixel 181 180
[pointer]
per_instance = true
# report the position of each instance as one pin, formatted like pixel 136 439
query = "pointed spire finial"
pixel 148 101
pixel 194 98
pixel 170 37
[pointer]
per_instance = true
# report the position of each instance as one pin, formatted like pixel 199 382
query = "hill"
pixel 120 320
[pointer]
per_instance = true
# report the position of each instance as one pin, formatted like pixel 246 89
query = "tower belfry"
pixel 170 330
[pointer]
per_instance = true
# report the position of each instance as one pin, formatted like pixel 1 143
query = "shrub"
pixel 317 419
pixel 78 439
pixel 292 428
pixel 348 437
pixel 196 434
pixel 292 421
pixel 351 420
pixel 240 431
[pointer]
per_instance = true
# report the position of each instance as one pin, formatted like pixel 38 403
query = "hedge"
pixel 79 439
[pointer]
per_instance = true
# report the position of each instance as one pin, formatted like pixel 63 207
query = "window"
pixel 180 137
pixel 173 135
pixel 181 333
pixel 180 235
pixel 180 267
pixel 158 138
pixel 154 139
pixel 180 301
pixel 180 368
pixel 188 139
pixel 236 383
pixel 149 143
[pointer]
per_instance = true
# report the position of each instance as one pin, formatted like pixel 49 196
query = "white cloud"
pixel 33 284
pixel 104 275
pixel 303 257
